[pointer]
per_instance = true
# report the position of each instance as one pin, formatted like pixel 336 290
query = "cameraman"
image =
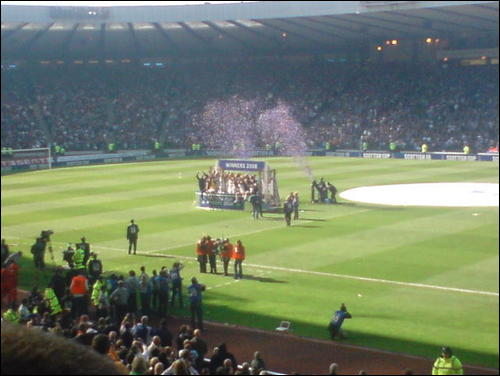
pixel 38 251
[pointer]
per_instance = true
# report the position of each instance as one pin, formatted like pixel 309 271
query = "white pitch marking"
pixel 335 275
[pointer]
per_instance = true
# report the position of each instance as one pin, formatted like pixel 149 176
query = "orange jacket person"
pixel 79 289
pixel 238 256
pixel 225 254
pixel 201 253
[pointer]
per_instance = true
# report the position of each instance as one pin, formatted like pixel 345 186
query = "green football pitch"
pixel 414 278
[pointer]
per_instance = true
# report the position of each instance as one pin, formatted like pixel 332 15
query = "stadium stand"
pixel 86 108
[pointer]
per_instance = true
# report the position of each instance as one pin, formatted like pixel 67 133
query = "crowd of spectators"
pixel 124 318
pixel 84 108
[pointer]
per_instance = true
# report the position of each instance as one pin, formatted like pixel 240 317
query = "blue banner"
pixel 239 165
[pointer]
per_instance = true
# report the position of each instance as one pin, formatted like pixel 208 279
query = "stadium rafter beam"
pixel 102 41
pixel 224 32
pixel 358 33
pixel 164 34
pixel 26 46
pixel 392 31
pixel 9 33
pixel 307 27
pixel 435 22
pixel 471 16
pixel 315 41
pixel 444 11
pixel 67 41
pixel 421 32
pixel 277 42
pixel 204 41
pixel 137 45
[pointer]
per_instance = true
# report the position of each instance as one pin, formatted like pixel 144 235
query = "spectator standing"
pixel 175 277
pixel 196 298
pixel 132 236
pixel 163 281
pixel 199 345
pixel 447 364
pixel 154 290
pixel 119 300
pixel 94 267
pixel 132 286
pixel 79 290
pixel 164 333
pixel 145 291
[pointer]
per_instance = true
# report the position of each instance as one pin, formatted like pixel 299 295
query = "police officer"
pixel 78 258
pixel 132 235
pixel 86 248
pixel 447 364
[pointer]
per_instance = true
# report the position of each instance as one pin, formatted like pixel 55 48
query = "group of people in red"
pixel 208 249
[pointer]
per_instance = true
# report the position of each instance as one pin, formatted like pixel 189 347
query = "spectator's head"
pixel 179 367
pixel 101 343
pixel 139 365
pixel 32 351
pixel 333 369
pixel 158 368
pixel 446 352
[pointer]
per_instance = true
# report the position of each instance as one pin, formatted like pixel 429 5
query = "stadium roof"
pixel 42 32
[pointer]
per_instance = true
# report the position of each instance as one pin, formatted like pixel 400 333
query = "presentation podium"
pixel 266 179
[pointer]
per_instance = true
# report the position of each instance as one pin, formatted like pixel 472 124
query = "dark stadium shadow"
pixel 262 279
pixel 229 315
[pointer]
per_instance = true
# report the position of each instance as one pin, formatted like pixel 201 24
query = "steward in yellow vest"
pixel 51 297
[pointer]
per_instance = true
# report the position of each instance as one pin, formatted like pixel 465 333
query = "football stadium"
pixel 261 187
